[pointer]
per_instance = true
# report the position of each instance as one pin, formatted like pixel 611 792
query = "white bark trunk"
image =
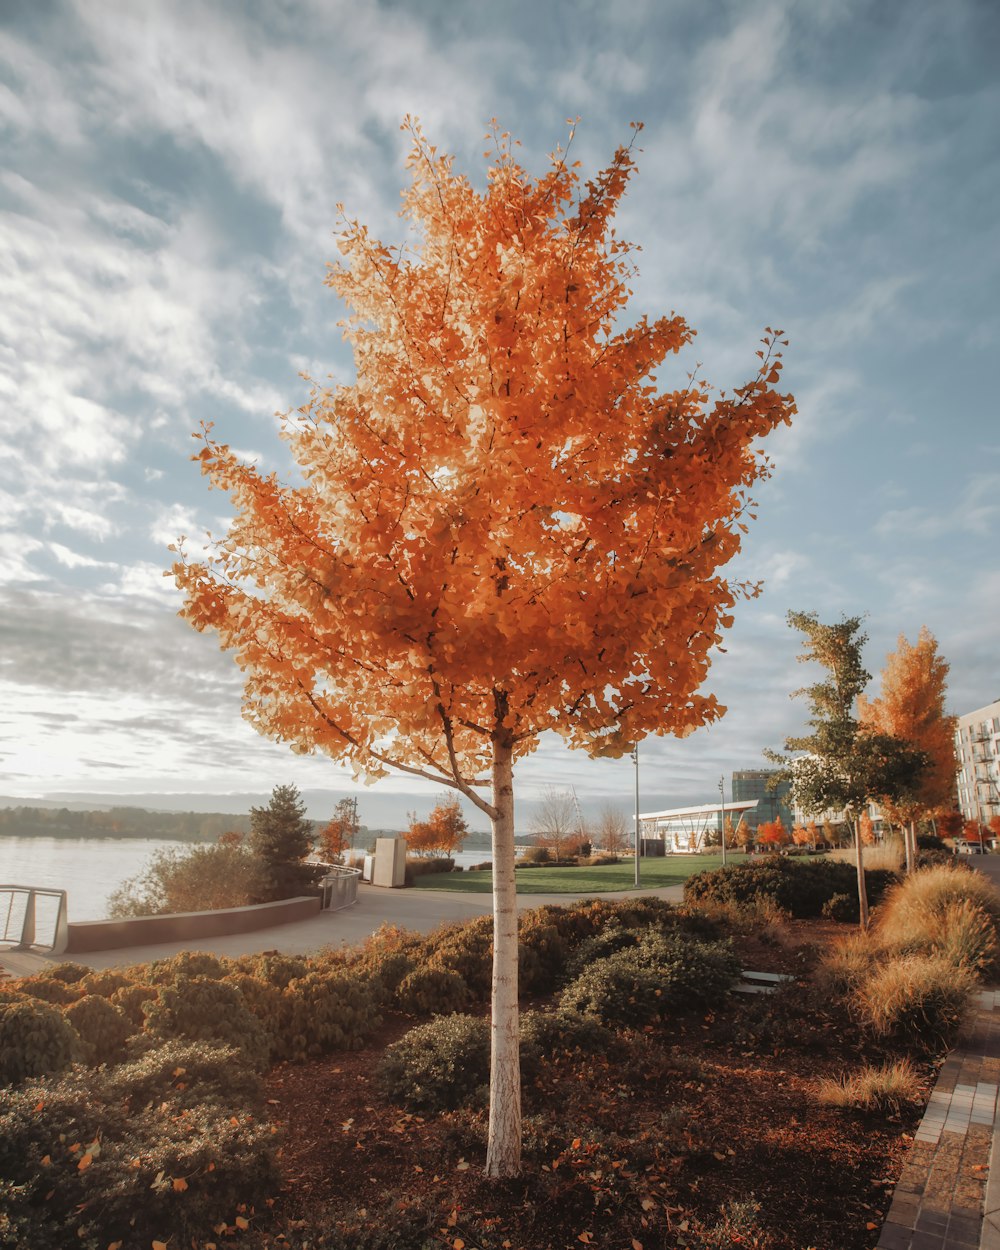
pixel 503 1152
pixel 910 837
pixel 862 888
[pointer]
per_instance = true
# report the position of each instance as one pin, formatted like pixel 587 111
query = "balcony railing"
pixel 32 916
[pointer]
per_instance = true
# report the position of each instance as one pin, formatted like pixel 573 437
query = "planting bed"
pixel 704 1131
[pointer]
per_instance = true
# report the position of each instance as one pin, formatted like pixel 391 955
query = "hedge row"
pixel 801 888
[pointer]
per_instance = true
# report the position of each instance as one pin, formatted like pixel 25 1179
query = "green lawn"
pixel 670 870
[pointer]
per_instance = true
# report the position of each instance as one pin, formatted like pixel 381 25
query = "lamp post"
pixel 638 840
pixel 722 809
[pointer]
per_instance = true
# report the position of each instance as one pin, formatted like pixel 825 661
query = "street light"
pixel 638 842
pixel 722 792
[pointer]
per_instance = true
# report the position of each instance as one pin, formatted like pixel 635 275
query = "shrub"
pixel 466 949
pixel 69 973
pixel 429 991
pixel 663 972
pixel 194 878
pixel 798 887
pixel 79 1172
pixel 437 1065
pixel 426 867
pixel 543 1033
pixel 919 1000
pixel 188 1072
pixel 273 967
pixel 131 1001
pixel 886 1087
pixel 542 952
pixel 200 1009
pixel 103 1029
pixel 188 964
pixel 610 940
pixel 35 1040
pixel 389 954
pixel 326 1011
pixel 536 855
pixel 104 982
pixel 49 990
pixel 844 908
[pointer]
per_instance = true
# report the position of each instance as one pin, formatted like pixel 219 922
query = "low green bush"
pixel 466 949
pixel 844 908
pixel 35 1040
pixel 103 1029
pixel 326 1011
pixel 546 1033
pixel 131 1154
pixel 131 1000
pixel 429 991
pixel 542 953
pixel 663 972
pixel 609 941
pixel 202 1009
pixel 800 887
pixel 437 1066
pixel 49 990
pixel 188 964
pixel 105 982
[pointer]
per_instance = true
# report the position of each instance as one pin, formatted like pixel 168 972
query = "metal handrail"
pixel 25 938
pixel 340 887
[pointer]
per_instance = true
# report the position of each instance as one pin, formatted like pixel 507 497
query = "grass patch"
pixel 883 1087
pixel 589 879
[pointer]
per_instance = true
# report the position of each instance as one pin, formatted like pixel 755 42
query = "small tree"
pixel 743 834
pixel 842 768
pixel 442 833
pixel 612 833
pixel 282 836
pixel 950 824
pixel 555 823
pixel 501 526
pixel 341 831
pixel 772 834
pixel 802 837
pixel 911 708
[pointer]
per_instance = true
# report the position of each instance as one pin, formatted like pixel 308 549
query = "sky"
pixel 169 204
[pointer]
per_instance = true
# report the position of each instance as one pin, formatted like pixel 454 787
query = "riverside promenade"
pixel 420 910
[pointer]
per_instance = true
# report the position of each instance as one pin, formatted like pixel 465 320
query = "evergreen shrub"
pixel 201 1009
pixel 430 991
pixel 798 887
pixel 437 1066
pixel 326 1011
pixel 103 1029
pixel 135 1154
pixel 35 1040
pixel 660 974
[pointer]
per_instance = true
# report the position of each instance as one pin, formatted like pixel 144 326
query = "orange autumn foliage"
pixel 442 833
pixel 504 524
pixel 911 707
pixel 513 520
pixel 772 834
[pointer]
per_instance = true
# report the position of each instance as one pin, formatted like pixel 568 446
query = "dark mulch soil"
pixel 708 1133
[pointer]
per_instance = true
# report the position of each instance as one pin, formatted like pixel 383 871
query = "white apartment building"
pixel 977 752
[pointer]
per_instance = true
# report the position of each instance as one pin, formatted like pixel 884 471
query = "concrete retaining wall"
pixel 109 935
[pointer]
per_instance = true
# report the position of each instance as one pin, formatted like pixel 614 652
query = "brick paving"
pixel 948 1197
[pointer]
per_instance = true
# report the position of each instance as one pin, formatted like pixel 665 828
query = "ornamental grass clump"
pixel 883 1087
pixel 952 911
pixel 847 964
pixel 918 1000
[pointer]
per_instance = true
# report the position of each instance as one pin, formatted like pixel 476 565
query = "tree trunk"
pixel 910 838
pixel 862 889
pixel 503 1152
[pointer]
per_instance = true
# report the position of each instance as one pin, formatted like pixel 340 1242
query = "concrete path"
pixel 421 910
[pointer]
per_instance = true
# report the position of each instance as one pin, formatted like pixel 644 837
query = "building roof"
pixel 704 809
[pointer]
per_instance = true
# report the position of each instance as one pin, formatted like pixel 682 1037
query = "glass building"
pixel 751 783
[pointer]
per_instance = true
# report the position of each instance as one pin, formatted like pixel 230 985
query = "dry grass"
pixel 944 910
pixel 886 1087
pixel 847 964
pixel 886 854
pixel 918 999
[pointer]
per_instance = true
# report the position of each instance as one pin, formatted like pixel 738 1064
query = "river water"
pixel 91 869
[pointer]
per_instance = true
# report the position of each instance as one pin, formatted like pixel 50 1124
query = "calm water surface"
pixel 88 869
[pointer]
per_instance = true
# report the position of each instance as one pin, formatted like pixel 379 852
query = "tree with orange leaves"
pixel 503 526
pixel 911 708
pixel 772 834
pixel 442 833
